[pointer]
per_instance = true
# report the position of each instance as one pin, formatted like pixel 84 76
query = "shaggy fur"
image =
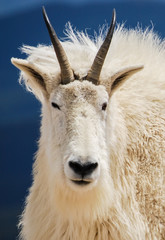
pixel 128 200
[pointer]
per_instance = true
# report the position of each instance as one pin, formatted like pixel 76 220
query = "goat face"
pixel 78 120
pixel 74 118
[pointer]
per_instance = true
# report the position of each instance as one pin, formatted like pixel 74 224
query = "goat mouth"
pixel 81 182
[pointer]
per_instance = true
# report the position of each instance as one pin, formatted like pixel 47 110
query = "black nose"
pixel 83 169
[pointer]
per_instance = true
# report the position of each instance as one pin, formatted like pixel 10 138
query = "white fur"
pixel 126 197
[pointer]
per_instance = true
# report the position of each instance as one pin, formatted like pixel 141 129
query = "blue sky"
pixel 12 6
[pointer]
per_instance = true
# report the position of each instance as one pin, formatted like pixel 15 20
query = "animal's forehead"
pixel 80 90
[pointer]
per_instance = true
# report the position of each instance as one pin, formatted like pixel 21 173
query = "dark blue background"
pixel 19 110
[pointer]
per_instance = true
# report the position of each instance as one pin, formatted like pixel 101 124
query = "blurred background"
pixel 21 23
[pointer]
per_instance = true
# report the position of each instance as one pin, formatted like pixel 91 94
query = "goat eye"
pixel 104 106
pixel 55 105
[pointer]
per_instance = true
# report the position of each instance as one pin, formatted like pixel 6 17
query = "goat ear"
pixel 120 77
pixel 32 76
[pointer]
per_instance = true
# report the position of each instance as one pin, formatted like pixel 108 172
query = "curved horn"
pixel 94 72
pixel 66 71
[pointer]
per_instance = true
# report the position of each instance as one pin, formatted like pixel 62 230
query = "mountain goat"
pixel 99 170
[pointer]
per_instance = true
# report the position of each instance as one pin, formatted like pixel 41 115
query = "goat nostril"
pixel 76 166
pixel 83 168
pixel 90 167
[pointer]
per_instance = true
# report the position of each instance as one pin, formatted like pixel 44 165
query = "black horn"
pixel 94 73
pixel 66 71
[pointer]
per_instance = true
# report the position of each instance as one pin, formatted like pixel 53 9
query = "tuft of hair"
pixel 128 47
